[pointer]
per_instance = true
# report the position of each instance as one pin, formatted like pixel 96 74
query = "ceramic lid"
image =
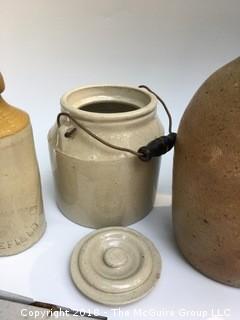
pixel 115 265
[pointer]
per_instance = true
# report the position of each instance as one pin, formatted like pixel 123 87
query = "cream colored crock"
pixel 22 220
pixel 97 186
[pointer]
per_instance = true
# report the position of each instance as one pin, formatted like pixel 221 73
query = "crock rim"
pixel 108 117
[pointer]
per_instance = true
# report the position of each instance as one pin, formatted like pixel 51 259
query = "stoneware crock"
pixel 22 220
pixel 97 186
pixel 206 179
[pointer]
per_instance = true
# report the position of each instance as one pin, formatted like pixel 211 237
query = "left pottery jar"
pixel 22 221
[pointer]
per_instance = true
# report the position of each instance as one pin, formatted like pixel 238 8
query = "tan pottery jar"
pixel 22 221
pixel 97 186
pixel 206 178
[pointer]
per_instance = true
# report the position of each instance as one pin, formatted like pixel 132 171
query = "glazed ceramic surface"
pixel 115 266
pixel 22 220
pixel 206 179
pixel 96 185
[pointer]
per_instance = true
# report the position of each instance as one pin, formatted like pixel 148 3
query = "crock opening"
pixel 108 107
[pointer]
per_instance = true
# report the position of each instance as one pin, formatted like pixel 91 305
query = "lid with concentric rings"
pixel 115 265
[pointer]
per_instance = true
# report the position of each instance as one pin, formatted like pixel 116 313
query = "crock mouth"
pixel 108 103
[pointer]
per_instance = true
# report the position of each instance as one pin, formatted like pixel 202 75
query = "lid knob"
pixel 2 85
pixel 115 257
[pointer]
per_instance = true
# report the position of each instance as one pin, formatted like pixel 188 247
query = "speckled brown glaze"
pixel 206 178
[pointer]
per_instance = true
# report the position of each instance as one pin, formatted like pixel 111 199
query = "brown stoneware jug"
pixel 206 181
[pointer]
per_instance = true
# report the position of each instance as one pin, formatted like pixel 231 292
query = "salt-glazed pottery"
pixel 115 265
pixel 98 186
pixel 206 180
pixel 22 220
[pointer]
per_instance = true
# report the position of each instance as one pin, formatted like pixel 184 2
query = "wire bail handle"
pixel 155 148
